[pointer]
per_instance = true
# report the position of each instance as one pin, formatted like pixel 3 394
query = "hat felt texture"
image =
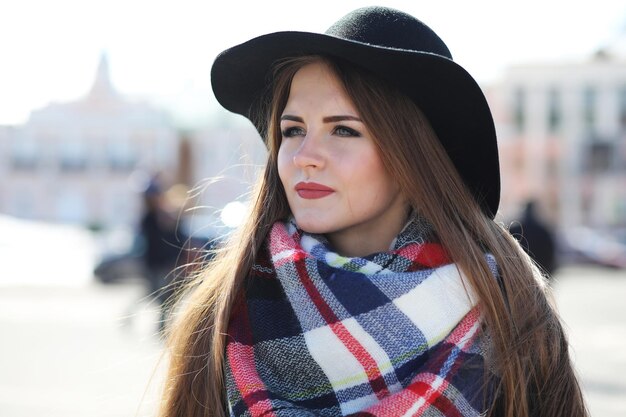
pixel 398 48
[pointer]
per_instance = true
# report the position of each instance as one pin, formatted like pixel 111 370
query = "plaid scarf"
pixel 391 334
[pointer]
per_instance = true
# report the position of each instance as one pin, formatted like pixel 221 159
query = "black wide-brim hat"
pixel 399 49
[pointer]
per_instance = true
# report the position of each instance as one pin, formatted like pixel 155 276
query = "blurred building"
pixel 74 162
pixel 226 160
pixel 223 161
pixel 562 138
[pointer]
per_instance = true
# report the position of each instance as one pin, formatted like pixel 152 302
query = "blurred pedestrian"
pixel 370 277
pixel 536 238
pixel 162 247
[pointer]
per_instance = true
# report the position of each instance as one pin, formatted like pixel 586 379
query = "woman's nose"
pixel 309 154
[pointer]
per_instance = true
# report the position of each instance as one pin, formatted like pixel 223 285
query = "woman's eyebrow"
pixel 333 119
pixel 328 119
pixel 292 118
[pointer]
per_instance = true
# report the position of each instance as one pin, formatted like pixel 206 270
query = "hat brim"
pixel 449 97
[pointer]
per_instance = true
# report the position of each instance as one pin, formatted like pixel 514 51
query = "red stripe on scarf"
pixel 401 402
pixel 240 353
pixel 285 242
pixel 462 336
pixel 464 333
pixel 424 388
pixel 429 255
pixel 434 397
pixel 375 378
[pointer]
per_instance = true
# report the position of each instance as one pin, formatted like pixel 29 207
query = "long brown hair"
pixel 530 349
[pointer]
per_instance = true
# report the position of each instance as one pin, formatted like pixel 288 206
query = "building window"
pixel 589 109
pixel 599 157
pixel 622 108
pixel 122 156
pixel 25 154
pixel 73 156
pixel 519 114
pixel 554 110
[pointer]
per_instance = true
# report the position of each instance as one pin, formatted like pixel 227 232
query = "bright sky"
pixel 162 50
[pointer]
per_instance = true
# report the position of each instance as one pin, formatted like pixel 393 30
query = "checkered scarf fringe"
pixel 318 334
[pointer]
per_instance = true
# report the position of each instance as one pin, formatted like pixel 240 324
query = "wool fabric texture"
pixel 391 334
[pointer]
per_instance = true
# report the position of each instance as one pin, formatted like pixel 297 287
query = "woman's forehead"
pixel 316 84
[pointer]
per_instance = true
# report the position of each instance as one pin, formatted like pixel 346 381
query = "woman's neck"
pixel 363 241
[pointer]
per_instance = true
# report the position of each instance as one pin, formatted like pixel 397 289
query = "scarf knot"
pixel 319 334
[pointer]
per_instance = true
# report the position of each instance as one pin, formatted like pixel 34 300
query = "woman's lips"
pixel 312 190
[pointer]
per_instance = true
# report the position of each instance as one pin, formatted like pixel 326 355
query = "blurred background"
pixel 111 140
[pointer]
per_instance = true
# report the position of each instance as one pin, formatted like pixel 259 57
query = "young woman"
pixel 370 277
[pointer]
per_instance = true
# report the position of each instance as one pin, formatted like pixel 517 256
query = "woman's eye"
pixel 292 131
pixel 345 131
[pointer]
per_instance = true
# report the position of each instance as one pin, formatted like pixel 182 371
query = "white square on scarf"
pixel 340 365
pixel 438 303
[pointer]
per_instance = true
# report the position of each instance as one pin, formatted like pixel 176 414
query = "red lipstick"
pixel 312 190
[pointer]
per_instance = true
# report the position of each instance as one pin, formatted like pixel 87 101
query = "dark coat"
pixel 536 239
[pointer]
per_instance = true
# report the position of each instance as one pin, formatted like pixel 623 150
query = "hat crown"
pixel 390 28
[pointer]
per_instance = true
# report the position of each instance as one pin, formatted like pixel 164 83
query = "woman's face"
pixel 334 179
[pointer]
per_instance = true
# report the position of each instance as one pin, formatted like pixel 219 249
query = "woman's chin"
pixel 312 226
